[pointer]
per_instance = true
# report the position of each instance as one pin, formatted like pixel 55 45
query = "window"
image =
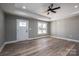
pixel 22 24
pixel 42 27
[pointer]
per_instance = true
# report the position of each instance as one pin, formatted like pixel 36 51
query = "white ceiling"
pixel 38 10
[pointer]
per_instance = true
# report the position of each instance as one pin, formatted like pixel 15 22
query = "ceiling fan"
pixel 51 9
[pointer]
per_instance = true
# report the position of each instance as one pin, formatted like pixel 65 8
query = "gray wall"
pixel 11 27
pixel 67 28
pixel 2 35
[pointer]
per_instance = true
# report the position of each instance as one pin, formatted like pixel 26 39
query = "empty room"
pixel 39 29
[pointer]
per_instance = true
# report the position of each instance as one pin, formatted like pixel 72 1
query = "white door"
pixel 22 29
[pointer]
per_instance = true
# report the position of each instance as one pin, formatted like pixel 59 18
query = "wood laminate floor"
pixel 41 47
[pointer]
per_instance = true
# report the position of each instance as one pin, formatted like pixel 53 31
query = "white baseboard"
pixel 24 40
pixel 1 48
pixel 68 39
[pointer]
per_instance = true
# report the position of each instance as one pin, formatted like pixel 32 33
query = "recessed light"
pixel 23 7
pixel 76 6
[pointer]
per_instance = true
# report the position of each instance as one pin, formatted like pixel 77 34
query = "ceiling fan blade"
pixel 51 5
pixel 48 13
pixel 53 11
pixel 56 8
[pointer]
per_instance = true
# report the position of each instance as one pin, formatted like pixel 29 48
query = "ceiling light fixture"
pixel 23 7
pixel 76 6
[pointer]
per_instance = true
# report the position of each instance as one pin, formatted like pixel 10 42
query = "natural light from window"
pixel 42 27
